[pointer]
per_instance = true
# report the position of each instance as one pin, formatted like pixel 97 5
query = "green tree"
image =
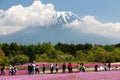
pixel 72 49
pixel 3 60
pixel 53 55
pixel 47 48
pixel 80 55
pixel 100 54
pixel 90 56
pixel 109 48
pixel 87 46
pixel 116 55
pixel 80 47
pixel 30 52
pixel 6 50
pixel 14 48
pixel 62 47
pixel 21 58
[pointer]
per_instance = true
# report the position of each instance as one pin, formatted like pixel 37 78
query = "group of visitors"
pixel 69 67
pixel 54 68
pixel 35 69
pixel 12 70
pixel 103 67
pixel 81 67
pixel 32 69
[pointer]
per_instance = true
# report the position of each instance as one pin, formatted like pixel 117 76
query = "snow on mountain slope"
pixel 64 17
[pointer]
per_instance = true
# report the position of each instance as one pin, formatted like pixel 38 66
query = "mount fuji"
pixel 53 33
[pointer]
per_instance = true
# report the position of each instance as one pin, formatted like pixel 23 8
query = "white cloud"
pixel 90 25
pixel 19 17
pixel 8 29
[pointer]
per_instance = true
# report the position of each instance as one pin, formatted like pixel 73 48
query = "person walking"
pixel 51 68
pixel 56 68
pixel 63 67
pixel 109 66
pixel 70 68
pixel 78 66
pixel 29 69
pixel 96 68
pixel 43 68
pixel 3 70
pixel 37 69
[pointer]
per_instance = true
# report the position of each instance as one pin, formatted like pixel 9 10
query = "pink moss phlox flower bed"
pixel 108 75
pixel 24 71
pixel 19 72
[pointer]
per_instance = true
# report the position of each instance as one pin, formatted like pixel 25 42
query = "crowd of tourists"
pixel 12 70
pixel 54 68
pixel 34 68
pixel 104 67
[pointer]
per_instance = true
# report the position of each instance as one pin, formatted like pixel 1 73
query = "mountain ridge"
pixel 53 33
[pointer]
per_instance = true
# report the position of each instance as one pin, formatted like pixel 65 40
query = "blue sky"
pixel 104 10
pixel 97 17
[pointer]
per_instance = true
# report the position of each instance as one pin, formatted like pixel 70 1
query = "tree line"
pixel 14 53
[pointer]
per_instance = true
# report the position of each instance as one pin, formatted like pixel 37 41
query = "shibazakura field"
pixel 88 75
pixel 103 75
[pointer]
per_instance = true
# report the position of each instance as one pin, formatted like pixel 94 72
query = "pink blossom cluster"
pixel 108 75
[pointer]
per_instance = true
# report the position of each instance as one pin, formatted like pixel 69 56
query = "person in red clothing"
pixel 69 67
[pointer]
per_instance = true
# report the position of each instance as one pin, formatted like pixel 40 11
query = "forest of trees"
pixel 61 52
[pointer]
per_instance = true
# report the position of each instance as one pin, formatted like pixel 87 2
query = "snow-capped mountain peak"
pixel 64 17
pixel 54 33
